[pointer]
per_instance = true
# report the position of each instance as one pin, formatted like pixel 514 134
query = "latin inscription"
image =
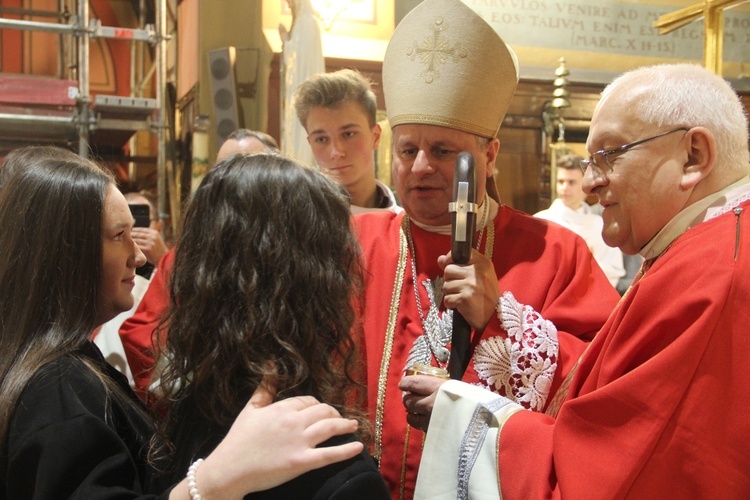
pixel 608 26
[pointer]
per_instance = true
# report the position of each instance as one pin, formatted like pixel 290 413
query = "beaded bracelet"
pixel 192 487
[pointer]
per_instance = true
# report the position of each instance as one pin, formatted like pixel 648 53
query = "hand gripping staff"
pixel 464 219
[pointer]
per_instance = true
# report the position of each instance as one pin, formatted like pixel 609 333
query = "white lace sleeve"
pixel 522 365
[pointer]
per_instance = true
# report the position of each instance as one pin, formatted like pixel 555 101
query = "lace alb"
pixel 521 366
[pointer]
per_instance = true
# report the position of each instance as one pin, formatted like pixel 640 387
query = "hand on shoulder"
pixel 270 444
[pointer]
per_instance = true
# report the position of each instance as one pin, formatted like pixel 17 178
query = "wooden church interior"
pixel 129 82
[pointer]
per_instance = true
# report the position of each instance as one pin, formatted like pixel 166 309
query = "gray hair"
pixel 243 133
pixel 688 95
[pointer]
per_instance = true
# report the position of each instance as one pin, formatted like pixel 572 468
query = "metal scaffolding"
pixel 102 113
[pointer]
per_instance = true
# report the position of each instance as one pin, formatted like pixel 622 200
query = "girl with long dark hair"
pixel 261 289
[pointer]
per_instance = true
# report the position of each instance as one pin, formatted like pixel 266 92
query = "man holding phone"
pixel 147 231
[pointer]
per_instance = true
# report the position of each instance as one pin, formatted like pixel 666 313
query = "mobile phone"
pixel 141 214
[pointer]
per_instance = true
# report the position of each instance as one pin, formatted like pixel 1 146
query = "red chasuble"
pixel 545 267
pixel 136 332
pixel 659 406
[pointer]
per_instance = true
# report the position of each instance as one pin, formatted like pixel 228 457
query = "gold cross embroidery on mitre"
pixel 435 50
pixel 712 12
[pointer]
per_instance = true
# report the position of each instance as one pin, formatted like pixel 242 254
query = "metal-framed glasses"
pixel 602 161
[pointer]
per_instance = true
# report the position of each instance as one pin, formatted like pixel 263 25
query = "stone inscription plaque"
pixel 608 27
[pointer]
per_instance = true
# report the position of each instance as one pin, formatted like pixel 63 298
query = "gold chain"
pixel 406 226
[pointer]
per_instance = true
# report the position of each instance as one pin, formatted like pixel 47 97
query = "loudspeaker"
pixel 227 117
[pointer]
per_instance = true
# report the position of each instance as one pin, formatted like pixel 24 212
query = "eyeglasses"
pixel 603 169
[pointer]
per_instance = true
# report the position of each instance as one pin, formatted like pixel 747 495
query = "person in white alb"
pixel 571 210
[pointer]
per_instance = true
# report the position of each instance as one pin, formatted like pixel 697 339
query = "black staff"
pixel 464 220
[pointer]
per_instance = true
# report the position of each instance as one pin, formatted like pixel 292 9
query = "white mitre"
pixel 446 66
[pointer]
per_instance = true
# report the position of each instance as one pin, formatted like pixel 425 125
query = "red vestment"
pixel 659 405
pixel 137 331
pixel 545 266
